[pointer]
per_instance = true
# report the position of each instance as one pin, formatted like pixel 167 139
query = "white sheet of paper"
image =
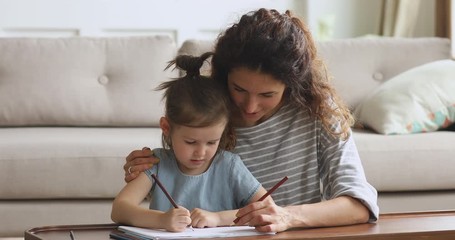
pixel 235 231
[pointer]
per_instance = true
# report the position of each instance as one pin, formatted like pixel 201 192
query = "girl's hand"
pixel 201 218
pixel 138 161
pixel 266 216
pixel 177 219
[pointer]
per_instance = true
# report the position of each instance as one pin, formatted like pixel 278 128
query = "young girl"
pixel 206 182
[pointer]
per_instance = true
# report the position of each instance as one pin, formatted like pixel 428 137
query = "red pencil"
pixel 165 191
pixel 269 192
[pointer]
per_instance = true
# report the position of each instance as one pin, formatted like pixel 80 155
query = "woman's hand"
pixel 266 216
pixel 138 161
pixel 177 219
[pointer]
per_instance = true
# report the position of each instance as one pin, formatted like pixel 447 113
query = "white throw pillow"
pixel 421 99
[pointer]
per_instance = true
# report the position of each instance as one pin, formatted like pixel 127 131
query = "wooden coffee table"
pixel 421 225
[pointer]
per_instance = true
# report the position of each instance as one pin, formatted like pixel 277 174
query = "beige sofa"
pixel 72 109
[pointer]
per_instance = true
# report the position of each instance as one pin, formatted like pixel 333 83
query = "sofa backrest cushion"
pixel 83 81
pixel 360 65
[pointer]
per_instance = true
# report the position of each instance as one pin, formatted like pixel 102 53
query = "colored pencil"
pixel 165 191
pixel 269 192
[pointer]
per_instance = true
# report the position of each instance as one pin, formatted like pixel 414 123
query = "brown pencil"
pixel 269 192
pixel 165 191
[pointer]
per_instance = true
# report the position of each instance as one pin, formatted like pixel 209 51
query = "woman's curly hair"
pixel 281 45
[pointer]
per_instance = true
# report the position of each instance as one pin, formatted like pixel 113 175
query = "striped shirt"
pixel 318 166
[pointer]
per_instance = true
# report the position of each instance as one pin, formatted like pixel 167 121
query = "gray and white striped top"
pixel 291 144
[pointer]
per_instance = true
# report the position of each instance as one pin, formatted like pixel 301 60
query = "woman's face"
pixel 256 95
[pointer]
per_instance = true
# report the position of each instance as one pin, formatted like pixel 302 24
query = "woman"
pixel 289 122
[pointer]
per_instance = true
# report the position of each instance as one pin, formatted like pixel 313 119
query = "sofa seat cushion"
pixel 68 163
pixel 421 161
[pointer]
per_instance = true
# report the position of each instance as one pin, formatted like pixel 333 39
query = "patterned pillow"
pixel 421 99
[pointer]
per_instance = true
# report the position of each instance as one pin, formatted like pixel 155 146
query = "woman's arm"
pixel 343 174
pixel 126 209
pixel 268 217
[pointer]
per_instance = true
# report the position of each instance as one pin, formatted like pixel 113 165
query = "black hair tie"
pixel 193 73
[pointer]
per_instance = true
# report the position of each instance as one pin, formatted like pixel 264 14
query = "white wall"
pixel 184 19
pixel 181 19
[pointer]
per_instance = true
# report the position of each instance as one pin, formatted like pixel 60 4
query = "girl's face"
pixel 193 147
pixel 256 95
